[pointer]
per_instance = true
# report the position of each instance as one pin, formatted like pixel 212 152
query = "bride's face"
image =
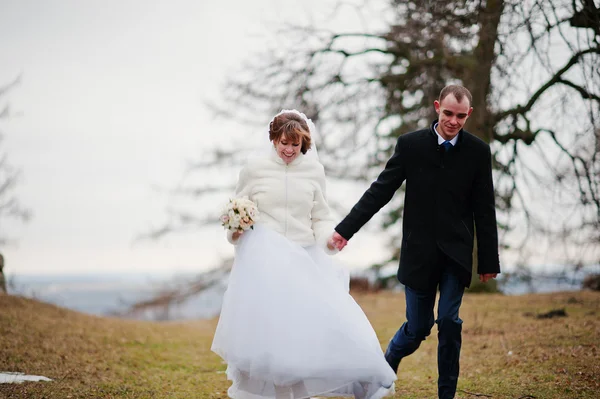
pixel 287 150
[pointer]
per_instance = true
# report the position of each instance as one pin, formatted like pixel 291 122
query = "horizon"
pixel 538 269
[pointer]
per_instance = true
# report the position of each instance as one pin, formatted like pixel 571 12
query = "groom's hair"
pixel 291 126
pixel 458 91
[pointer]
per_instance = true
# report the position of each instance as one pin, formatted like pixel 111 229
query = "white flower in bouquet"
pixel 239 214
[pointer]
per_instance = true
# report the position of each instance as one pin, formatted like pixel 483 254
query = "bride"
pixel 288 326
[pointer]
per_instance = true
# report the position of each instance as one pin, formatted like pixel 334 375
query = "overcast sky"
pixel 110 105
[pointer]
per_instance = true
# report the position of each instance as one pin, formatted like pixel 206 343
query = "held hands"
pixel 484 278
pixel 337 241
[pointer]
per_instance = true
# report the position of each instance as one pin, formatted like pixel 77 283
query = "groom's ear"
pixel 436 105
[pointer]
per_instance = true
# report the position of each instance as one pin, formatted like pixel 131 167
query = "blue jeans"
pixel 419 316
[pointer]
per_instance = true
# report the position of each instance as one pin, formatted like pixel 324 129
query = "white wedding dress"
pixel 289 328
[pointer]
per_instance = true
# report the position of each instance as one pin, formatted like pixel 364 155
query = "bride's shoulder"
pixel 314 165
pixel 257 165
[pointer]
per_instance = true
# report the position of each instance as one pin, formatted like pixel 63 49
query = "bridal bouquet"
pixel 239 214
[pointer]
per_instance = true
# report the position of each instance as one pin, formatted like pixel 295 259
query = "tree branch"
pixel 555 79
pixel 584 93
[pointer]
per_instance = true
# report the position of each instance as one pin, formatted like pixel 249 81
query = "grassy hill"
pixel 508 352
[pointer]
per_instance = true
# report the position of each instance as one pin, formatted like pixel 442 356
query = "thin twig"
pixel 475 394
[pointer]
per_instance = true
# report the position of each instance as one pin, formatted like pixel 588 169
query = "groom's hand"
pixel 338 241
pixel 485 277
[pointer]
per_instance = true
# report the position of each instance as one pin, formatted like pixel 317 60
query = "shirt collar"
pixel 441 139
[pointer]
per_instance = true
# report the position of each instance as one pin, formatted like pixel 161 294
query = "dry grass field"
pixel 508 352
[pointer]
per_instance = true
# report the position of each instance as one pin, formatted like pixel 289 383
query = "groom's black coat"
pixel 446 194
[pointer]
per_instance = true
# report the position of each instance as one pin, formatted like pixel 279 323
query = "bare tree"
pixel 10 207
pixel 534 71
pixel 547 138
pixel 162 305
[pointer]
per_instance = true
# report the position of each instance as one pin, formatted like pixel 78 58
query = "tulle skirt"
pixel 289 328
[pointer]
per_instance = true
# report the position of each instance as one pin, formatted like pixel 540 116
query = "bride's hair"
pixel 293 127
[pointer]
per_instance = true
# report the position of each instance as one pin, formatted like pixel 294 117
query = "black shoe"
pixel 393 362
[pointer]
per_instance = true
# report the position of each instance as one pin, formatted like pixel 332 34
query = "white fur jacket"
pixel 291 198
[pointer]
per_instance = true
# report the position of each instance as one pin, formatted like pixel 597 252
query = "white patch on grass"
pixel 17 378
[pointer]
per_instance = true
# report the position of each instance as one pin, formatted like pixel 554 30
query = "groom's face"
pixel 452 115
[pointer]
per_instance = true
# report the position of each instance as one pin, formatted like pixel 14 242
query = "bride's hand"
pixel 337 241
pixel 236 235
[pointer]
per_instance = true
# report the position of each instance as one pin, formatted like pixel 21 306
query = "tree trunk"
pixel 478 82
pixel 477 79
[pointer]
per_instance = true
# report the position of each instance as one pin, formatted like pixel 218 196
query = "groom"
pixel 449 198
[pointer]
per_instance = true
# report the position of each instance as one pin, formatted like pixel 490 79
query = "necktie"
pixel 447 145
